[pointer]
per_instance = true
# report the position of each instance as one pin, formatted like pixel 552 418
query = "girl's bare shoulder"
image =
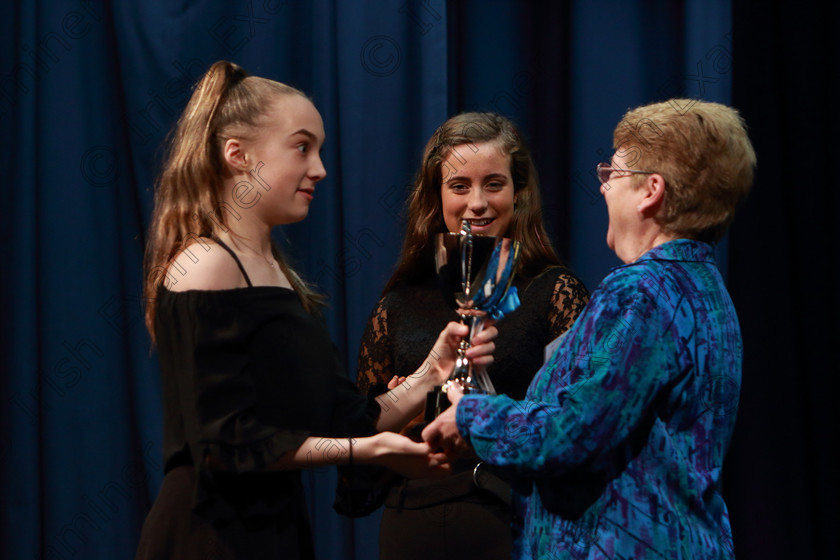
pixel 203 264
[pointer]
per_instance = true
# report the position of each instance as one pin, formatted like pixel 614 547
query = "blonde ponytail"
pixel 189 202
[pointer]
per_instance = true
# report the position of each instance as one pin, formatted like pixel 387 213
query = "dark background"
pixel 88 91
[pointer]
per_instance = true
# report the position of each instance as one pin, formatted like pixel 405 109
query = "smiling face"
pixel 284 159
pixel 477 186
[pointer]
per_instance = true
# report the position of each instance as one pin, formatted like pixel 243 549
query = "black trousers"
pixel 447 519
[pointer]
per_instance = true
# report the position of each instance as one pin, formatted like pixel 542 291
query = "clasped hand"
pixel 413 459
pixel 442 433
pixel 430 459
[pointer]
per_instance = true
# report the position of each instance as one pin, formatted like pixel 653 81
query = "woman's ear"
pixel 652 195
pixel 235 155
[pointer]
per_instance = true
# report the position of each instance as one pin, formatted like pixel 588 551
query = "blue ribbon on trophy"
pixel 497 302
pixel 475 272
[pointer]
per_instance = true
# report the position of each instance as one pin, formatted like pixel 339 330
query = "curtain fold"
pixel 89 90
pixel 785 245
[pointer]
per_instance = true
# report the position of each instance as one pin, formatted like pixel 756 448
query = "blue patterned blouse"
pixel 617 450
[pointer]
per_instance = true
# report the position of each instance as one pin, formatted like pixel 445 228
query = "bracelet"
pixel 475 474
pixel 350 459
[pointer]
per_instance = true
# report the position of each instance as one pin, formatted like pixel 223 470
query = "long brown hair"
pixel 425 214
pixel 189 198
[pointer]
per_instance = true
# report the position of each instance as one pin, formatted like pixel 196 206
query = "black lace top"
pixel 407 320
pixel 405 324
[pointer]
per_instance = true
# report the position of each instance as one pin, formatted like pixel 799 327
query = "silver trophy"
pixel 475 273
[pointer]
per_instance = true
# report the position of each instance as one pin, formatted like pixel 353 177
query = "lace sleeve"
pixel 568 299
pixel 375 365
pixel 362 489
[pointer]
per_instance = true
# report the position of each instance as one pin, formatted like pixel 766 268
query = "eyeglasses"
pixel 605 170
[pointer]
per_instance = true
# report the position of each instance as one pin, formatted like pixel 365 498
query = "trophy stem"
pixel 479 374
pixel 471 377
pixel 475 272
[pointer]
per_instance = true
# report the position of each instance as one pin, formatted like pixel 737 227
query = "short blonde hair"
pixel 702 151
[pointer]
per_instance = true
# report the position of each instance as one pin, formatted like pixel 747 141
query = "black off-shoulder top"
pixel 248 374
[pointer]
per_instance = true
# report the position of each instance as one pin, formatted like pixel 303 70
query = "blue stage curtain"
pixel 626 54
pixel 89 89
pixel 566 72
pixel 781 475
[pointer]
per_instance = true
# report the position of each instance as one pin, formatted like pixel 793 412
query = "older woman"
pixel 619 443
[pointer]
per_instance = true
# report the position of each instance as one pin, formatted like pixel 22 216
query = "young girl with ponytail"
pixel 252 387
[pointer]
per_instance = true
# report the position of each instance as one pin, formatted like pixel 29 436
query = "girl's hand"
pixel 443 433
pixel 395 382
pixel 408 458
pixel 445 351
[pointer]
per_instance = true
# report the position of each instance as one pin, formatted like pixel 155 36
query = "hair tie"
pixel 235 74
